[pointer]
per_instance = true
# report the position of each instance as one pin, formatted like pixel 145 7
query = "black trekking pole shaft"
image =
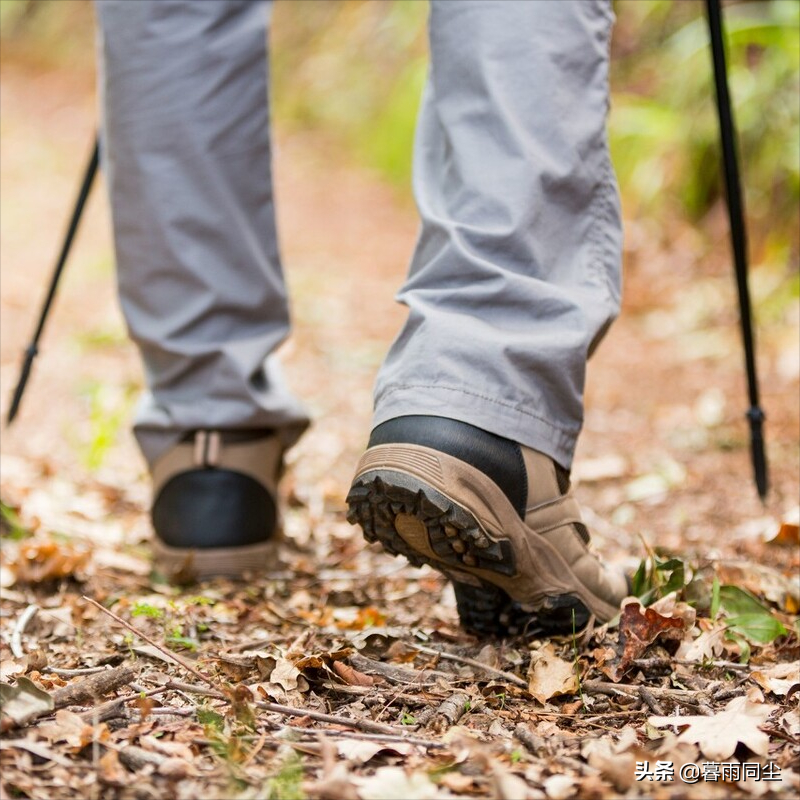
pixel 32 349
pixel 738 240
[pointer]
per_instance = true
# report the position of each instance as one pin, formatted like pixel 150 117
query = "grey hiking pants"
pixel 516 273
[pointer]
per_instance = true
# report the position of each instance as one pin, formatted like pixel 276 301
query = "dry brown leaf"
pixel 359 751
pixel 352 676
pixel 719 734
pixel 778 679
pixel 610 758
pixel 24 701
pixel 369 617
pixel 69 727
pixel 550 676
pixel 111 772
pixel 638 628
pixel 41 560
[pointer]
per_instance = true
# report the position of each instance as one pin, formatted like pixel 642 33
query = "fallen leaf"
pixel 24 701
pixel 70 728
pixel 559 787
pixel 638 628
pixel 718 735
pixel 610 758
pixel 111 772
pixel 707 646
pixel 549 675
pixel 352 676
pixel 361 751
pixel 41 560
pixel 393 783
pixel 37 749
pixel 369 617
pixel 778 679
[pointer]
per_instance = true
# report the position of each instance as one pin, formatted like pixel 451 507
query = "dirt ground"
pixel 407 705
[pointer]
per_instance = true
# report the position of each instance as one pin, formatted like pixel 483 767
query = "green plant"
pixel 142 609
pixel 10 524
pixel 287 783
pixel 656 578
pixel 109 410
pixel 663 129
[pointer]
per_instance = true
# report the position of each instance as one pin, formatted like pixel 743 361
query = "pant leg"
pixel 516 274
pixel 186 154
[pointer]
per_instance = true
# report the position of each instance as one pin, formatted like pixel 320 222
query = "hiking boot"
pixel 214 509
pixel 497 518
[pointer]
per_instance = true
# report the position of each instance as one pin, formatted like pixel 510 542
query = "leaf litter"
pixel 356 682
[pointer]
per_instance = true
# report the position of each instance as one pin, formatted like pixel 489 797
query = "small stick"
pixel 381 737
pixel 16 636
pixel 449 712
pixel 651 701
pixel 72 673
pixel 471 662
pixel 93 687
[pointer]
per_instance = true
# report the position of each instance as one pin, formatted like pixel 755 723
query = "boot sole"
pixel 501 569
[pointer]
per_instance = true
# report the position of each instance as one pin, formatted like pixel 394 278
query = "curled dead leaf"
pixel 549 675
pixel 638 628
pixel 352 676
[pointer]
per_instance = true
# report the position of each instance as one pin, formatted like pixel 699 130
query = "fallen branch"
pixel 471 662
pixel 93 687
pixel 397 674
pixel 449 712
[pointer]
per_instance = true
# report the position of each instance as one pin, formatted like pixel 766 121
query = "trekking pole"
pixel 738 240
pixel 32 349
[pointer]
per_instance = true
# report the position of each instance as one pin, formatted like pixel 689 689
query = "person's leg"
pixel 186 153
pixel 517 270
pixel 514 280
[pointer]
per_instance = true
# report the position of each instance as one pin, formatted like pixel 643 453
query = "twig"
pixel 471 662
pixel 93 687
pixel 397 674
pixel 16 636
pixel 604 687
pixel 381 737
pixel 651 701
pixel 72 673
pixel 449 712
pixel 733 665
pixel 289 711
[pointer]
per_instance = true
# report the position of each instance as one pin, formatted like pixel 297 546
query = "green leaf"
pixel 744 646
pixel 760 628
pixel 677 580
pixel 737 601
pixel 639 580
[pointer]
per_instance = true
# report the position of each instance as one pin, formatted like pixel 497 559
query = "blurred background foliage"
pixel 354 70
